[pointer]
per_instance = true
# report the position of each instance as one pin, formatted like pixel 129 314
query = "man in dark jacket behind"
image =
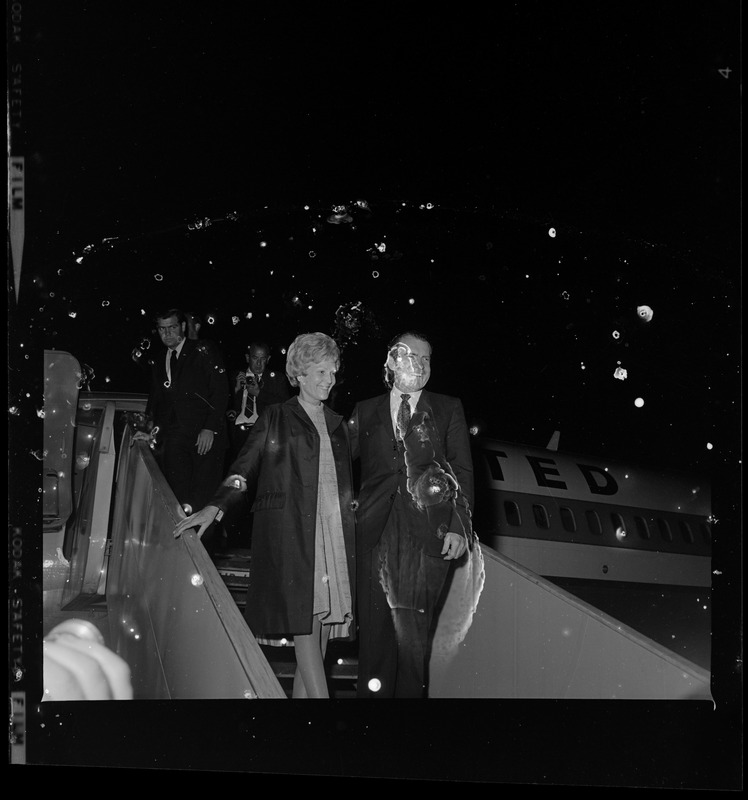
pixel 187 402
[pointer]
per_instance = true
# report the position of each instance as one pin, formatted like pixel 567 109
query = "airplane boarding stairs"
pixel 175 616
pixel 527 638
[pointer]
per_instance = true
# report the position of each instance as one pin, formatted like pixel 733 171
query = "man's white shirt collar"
pixel 396 394
pixel 178 351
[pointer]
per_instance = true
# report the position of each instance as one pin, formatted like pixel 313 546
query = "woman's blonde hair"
pixel 307 349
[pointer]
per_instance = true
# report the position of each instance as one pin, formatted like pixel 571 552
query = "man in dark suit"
pixel 253 389
pixel 413 518
pixel 187 402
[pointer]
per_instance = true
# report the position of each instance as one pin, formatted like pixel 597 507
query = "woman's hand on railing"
pixel 144 436
pixel 200 520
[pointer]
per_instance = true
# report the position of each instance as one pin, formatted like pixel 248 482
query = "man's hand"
pixel 454 546
pixel 142 436
pixel 204 441
pixel 201 520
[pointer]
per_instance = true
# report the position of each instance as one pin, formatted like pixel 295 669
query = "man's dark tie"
pixel 173 363
pixel 403 416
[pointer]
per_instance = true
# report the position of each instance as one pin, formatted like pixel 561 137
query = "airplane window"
pixel 593 521
pixel 541 517
pixel 642 528
pixel 567 519
pixel 665 531
pixel 685 531
pixel 511 510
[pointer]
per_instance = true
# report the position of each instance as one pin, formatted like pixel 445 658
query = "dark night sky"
pixel 469 136
pixel 619 134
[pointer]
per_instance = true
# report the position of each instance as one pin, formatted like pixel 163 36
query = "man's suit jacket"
pixel 384 472
pixel 197 396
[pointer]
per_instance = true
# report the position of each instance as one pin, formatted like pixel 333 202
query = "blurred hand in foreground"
pixel 79 666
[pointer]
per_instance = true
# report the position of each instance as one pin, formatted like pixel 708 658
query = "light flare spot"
pixel 645 313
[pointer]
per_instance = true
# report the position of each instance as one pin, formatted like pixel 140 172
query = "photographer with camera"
pixel 252 390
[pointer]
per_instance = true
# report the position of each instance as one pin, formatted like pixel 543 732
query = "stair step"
pixel 338 672
pixel 235 573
